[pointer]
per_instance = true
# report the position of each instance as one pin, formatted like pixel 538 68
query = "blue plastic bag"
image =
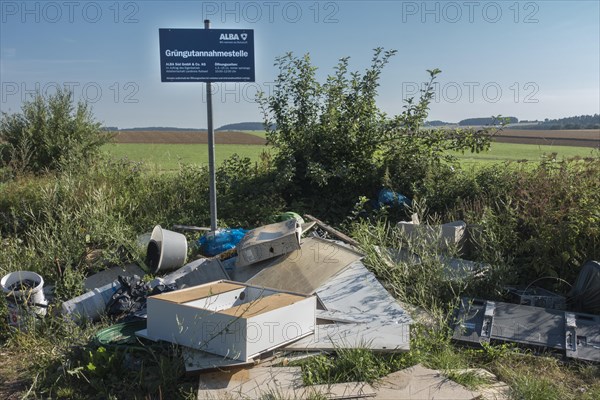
pixel 222 240
pixel 388 197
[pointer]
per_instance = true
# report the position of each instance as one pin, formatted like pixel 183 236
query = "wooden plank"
pixel 333 231
pixel 198 292
pixel 262 305
pixel 273 382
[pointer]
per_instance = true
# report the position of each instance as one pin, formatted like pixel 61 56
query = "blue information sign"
pixel 206 55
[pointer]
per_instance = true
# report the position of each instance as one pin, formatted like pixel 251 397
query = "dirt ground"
pixel 578 138
pixel 187 137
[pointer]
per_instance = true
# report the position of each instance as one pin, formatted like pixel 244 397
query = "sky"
pixel 528 59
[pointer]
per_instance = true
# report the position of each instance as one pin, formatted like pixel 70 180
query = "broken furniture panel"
pixel 374 336
pixel 303 270
pixel 365 315
pixel 575 334
pixel 269 241
pixel 230 319
pixel 356 292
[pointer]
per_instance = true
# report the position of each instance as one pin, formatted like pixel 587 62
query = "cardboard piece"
pixel 303 270
pixel 230 319
pixel 493 390
pixel 269 241
pixel 420 383
pixel 275 382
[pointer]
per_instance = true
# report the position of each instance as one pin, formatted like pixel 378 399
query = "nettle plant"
pixel 332 139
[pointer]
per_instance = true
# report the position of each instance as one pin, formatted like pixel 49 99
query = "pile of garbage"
pixel 270 288
pixel 285 288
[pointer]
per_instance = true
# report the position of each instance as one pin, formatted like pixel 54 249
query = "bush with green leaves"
pixel 334 143
pixel 50 134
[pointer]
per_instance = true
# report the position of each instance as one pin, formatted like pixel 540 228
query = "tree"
pixel 333 142
pixel 50 134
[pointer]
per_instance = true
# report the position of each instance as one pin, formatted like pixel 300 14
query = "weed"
pixel 349 365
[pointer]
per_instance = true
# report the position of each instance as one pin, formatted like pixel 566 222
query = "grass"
pixel 105 209
pixel 500 152
pixel 168 157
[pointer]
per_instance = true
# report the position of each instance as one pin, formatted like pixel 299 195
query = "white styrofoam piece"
pixel 233 320
pixel 451 232
pixel 357 293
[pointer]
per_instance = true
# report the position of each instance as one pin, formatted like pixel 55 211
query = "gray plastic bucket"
pixel 24 301
pixel 166 250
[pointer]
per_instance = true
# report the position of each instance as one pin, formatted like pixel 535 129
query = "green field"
pixel 262 134
pixel 169 156
pixel 500 152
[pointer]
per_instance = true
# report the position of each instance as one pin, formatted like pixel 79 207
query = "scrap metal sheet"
pixel 304 270
pixel 576 334
pixel 374 336
pixel 357 293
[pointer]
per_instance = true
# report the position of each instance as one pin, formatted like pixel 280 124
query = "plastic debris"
pixel 129 300
pixel 388 197
pixel 215 243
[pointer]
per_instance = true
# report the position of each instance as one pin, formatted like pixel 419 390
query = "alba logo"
pixel 244 36
pixel 229 36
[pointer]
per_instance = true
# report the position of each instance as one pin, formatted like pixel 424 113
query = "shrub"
pixel 545 219
pixel 334 144
pixel 50 134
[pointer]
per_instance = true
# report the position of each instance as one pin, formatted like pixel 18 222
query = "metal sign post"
pixel 211 152
pixel 207 55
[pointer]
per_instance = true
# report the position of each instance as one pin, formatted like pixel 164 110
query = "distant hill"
pixel 243 126
pixel 161 128
pixel 568 123
pixel 485 121
pixel 438 123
